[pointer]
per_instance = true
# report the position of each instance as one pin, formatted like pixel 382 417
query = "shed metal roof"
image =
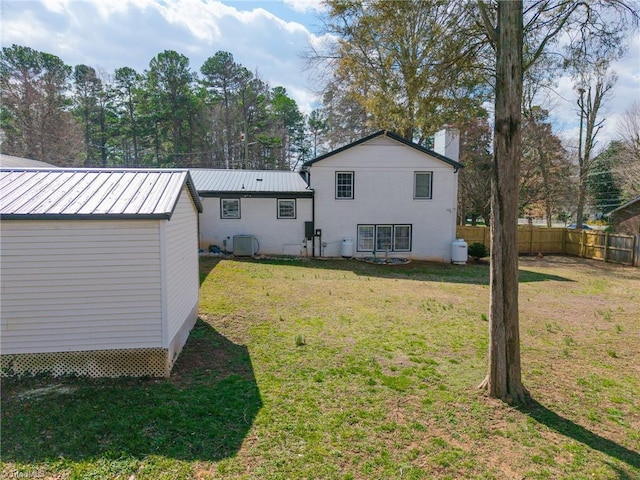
pixel 210 182
pixel 60 193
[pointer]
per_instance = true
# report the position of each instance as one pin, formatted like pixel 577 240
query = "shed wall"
pixel 80 285
pixel 181 273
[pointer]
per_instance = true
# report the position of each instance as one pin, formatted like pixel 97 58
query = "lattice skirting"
pixel 138 362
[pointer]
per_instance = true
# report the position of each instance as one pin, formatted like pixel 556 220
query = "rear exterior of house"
pixel 99 270
pixel 386 196
pixel 249 212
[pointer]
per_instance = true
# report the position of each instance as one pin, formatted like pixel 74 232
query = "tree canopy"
pixel 168 115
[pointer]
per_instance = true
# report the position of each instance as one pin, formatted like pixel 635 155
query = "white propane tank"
pixel 346 249
pixel 459 252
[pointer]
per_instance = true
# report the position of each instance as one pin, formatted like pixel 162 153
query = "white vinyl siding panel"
pixel 80 285
pixel 181 265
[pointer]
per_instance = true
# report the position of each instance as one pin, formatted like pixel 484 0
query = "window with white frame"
pixel 384 238
pixel 401 238
pixel 366 236
pixel 229 208
pixel 344 185
pixel 422 185
pixel 286 208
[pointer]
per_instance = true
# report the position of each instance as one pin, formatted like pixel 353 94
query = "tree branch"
pixel 490 30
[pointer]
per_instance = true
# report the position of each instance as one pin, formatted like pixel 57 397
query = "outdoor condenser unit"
pixel 244 245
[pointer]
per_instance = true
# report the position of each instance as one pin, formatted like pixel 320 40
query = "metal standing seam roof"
pixel 60 193
pixel 209 182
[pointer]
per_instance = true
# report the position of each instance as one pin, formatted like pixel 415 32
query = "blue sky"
pixel 267 36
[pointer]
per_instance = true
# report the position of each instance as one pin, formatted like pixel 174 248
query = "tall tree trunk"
pixel 503 380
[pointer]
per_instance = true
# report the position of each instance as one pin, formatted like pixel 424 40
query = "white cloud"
pixel 57 6
pixel 305 6
pixel 110 34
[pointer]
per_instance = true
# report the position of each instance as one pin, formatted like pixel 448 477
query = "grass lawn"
pixel 343 369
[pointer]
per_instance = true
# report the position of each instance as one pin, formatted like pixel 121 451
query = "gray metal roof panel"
pixel 90 183
pixel 157 189
pixel 92 193
pixel 10 161
pixel 249 181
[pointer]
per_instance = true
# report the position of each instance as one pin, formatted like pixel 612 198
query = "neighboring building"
pixel 626 218
pixel 386 195
pixel 9 161
pixel 250 212
pixel 99 270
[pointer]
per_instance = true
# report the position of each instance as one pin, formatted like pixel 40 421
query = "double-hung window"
pixel 422 185
pixel 286 208
pixel 344 185
pixel 384 238
pixel 229 208
pixel 402 238
pixel 366 238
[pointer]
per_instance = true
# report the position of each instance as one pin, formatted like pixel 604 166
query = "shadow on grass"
pixel 206 266
pixel 202 412
pixel 566 427
pixel 472 274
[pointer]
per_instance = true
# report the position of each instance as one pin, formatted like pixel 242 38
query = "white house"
pixel 386 195
pixel 249 212
pixel 99 270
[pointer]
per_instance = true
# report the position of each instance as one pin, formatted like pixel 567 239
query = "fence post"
pixel 583 241
pixel 606 246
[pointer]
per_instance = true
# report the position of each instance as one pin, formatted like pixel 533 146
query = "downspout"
pixel 313 213
pixel 313 221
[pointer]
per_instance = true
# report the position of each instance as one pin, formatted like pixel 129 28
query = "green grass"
pixel 342 369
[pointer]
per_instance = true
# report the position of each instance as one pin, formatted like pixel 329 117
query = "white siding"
pixel 383 194
pixel 259 217
pixel 181 266
pixel 79 285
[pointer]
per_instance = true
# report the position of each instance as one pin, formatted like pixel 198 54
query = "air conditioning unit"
pixel 245 245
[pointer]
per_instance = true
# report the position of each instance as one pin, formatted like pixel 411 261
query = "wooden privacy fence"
pixel 608 247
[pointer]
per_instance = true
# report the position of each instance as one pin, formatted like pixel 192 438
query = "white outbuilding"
pixel 99 270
